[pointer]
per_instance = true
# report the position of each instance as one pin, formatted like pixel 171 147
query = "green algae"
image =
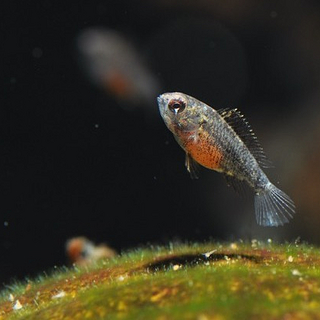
pixel 235 281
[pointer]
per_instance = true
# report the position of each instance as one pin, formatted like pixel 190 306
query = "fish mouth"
pixel 160 100
pixel 161 104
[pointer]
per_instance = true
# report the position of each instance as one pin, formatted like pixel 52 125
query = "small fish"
pixel 113 63
pixel 81 251
pixel 222 140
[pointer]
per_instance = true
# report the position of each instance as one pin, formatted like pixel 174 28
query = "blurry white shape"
pixel 60 294
pixel 122 278
pixel 114 64
pixel 296 272
pixel 17 305
pixel 208 254
pixel 233 246
pixel 290 258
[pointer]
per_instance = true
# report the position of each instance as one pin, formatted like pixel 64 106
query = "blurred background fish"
pixel 83 252
pixel 114 64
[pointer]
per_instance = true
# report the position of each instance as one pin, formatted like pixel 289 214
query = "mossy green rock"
pixel 199 281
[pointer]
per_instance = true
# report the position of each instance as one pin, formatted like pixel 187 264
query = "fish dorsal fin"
pixel 242 128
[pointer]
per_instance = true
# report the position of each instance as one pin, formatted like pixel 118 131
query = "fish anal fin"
pixel 242 128
pixel 238 185
pixel 192 166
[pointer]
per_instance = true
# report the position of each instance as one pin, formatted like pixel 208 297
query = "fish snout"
pixel 161 104
pixel 160 100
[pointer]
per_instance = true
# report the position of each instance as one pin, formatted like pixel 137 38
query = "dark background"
pixel 77 160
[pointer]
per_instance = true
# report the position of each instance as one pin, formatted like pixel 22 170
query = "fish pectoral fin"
pixel 238 185
pixel 192 166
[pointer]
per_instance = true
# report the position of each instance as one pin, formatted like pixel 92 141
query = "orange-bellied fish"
pixel 222 140
pixel 113 63
pixel 81 251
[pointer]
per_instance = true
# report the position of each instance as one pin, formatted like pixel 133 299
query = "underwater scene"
pixel 160 160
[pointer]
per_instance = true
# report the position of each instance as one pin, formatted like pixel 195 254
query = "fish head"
pixel 180 112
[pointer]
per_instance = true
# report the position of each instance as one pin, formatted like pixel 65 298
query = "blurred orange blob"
pixel 81 251
pixel 113 63
pixel 118 85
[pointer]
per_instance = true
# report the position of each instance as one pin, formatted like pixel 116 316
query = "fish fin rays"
pixel 273 207
pixel 240 125
pixel 192 166
pixel 239 186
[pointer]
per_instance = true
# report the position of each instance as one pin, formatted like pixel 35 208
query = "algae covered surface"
pixel 183 281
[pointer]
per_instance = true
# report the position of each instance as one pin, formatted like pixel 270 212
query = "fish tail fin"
pixel 273 207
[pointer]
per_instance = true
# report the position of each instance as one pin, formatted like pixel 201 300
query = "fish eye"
pixel 176 106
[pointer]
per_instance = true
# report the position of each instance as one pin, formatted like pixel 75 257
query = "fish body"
pixel 81 251
pixel 113 63
pixel 222 140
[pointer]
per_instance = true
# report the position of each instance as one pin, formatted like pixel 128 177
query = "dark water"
pixel 77 160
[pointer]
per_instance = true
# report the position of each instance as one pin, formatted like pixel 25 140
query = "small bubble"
pixel 6 223
pixel 96 125
pixel 37 52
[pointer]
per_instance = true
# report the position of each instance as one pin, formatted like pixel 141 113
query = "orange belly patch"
pixel 205 152
pixel 118 84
